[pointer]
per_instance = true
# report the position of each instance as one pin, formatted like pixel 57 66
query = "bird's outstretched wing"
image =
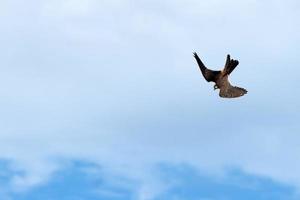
pixel 230 65
pixel 232 91
pixel 209 75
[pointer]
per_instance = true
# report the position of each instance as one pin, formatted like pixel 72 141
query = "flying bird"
pixel 221 78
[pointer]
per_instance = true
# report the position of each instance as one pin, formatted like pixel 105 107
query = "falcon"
pixel 220 78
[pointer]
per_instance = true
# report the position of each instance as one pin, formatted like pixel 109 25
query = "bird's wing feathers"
pixel 230 65
pixel 227 90
pixel 232 91
pixel 209 75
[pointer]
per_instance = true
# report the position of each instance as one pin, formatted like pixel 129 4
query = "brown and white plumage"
pixel 221 78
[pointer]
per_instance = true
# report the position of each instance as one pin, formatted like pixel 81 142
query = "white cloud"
pixel 67 8
pixel 113 82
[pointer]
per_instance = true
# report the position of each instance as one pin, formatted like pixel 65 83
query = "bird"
pixel 220 78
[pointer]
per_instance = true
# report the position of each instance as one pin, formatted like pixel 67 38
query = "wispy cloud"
pixel 81 180
pixel 114 83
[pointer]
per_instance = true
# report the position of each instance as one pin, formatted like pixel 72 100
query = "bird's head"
pixel 216 87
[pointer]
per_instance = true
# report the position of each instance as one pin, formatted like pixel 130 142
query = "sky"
pixel 104 100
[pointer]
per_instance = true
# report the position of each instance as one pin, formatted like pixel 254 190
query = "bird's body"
pixel 221 78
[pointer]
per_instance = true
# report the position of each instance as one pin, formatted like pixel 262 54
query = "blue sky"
pixel 103 100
